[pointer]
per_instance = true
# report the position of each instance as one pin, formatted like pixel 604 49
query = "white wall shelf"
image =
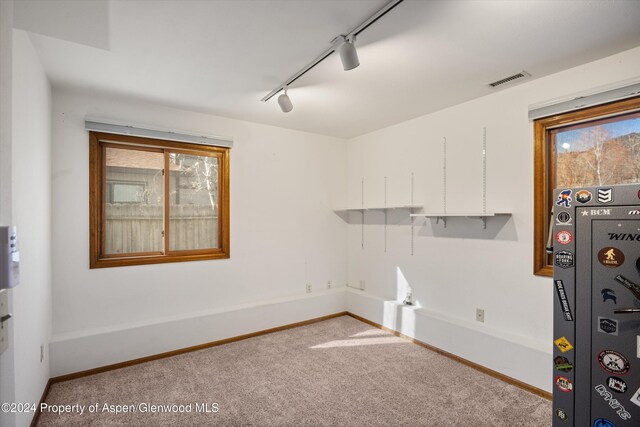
pixel 411 207
pixel 377 208
pixel 443 216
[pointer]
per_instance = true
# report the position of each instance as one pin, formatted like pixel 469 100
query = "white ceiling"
pixel 222 57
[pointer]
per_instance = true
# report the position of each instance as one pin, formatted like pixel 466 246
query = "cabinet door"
pixel 615 319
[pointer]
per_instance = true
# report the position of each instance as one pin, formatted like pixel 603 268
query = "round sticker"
pixel 564 237
pixel 611 257
pixel 564 217
pixel 617 384
pixel 613 362
pixel 564 384
pixel 603 422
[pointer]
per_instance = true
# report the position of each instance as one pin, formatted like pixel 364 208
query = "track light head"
pixel 285 102
pixel 348 54
pixel 343 45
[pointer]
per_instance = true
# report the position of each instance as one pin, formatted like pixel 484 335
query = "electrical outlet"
pixel 362 284
pixel 328 284
pixel 480 315
pixel 308 288
pixel 41 353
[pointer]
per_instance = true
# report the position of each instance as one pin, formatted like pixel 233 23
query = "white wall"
pixel 283 235
pixel 7 379
pixel 31 179
pixel 455 270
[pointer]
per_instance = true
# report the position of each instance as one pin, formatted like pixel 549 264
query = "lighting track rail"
pixel 336 44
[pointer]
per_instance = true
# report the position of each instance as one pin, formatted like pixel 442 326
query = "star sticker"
pixel 585 213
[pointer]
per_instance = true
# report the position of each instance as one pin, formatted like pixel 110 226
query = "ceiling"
pixel 222 57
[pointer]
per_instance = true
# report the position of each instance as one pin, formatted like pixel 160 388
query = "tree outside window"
pixel 591 147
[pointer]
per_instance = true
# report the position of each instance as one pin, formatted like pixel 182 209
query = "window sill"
pixel 546 271
pixel 155 259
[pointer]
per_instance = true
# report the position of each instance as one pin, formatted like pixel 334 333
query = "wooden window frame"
pixel 98 142
pixel 544 170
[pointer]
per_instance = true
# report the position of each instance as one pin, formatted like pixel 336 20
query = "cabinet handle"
pixel 5 318
pixel 634 288
pixel 627 310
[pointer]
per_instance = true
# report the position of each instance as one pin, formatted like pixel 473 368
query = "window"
pixel 590 147
pixel 155 201
pixel 125 192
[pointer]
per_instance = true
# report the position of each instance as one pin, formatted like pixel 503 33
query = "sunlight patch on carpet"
pixel 371 333
pixel 360 342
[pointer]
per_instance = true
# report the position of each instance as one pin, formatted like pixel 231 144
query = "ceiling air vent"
pixel 518 76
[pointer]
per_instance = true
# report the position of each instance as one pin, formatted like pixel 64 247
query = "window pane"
pixel 128 192
pixel 605 152
pixel 133 201
pixel 193 209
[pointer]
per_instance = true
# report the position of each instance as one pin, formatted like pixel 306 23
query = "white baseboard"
pixel 71 353
pixel 523 359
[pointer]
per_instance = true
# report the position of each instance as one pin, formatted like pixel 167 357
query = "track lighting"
pixel 343 45
pixel 348 53
pixel 285 102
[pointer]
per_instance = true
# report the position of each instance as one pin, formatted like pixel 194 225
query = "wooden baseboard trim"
pixel 127 363
pixel 36 414
pixel 483 369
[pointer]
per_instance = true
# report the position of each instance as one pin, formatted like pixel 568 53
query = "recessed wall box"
pixel 9 258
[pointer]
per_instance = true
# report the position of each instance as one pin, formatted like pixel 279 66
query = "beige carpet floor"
pixel 339 372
